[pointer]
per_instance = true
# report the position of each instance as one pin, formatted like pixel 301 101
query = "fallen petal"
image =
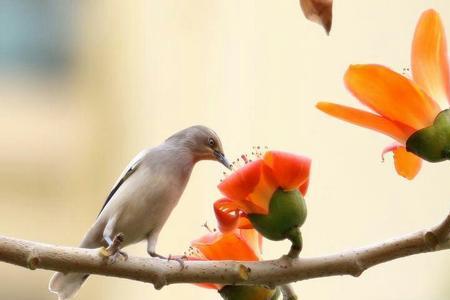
pixel 319 11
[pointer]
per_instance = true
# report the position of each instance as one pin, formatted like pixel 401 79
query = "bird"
pixel 142 199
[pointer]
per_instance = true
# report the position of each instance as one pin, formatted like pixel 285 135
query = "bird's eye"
pixel 211 142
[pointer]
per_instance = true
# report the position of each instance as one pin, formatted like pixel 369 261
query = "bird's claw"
pixel 119 255
pixel 113 257
pixel 113 252
pixel 124 255
pixel 180 260
pixel 103 251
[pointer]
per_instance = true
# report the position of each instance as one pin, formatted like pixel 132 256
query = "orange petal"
pixel 262 194
pixel 230 216
pixel 429 59
pixel 242 182
pixel 304 187
pixel 249 206
pixel 253 239
pixel 290 170
pixel 391 95
pixel 213 286
pixel 244 223
pixel 227 214
pixel 406 163
pixel 225 246
pixel 367 120
pixel 250 187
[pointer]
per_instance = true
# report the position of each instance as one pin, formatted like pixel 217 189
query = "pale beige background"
pixel 252 70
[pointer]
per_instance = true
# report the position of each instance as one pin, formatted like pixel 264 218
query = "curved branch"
pixel 34 255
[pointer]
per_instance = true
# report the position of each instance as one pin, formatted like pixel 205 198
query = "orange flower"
pixel 267 194
pixel 250 188
pixel 401 106
pixel 240 244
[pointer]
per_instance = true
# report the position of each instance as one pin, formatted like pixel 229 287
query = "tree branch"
pixel 272 273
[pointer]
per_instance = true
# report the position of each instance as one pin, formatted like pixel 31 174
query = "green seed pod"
pixel 287 212
pixel 241 292
pixel 432 143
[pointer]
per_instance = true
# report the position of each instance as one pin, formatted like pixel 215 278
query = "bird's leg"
pixel 113 250
pixel 151 247
pixel 114 244
pixel 179 259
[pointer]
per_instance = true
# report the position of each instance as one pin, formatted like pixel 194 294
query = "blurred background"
pixel 85 85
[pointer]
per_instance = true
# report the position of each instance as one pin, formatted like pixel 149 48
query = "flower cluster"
pixel 265 196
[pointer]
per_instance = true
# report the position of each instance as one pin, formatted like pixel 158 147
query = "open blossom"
pixel 401 106
pixel 251 191
pixel 251 187
pixel 267 194
pixel 241 244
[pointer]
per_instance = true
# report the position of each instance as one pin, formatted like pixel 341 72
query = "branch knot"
pixel 33 260
pixel 244 272
pixel 357 267
pixel 431 240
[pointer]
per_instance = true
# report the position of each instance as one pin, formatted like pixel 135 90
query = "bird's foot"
pixel 122 255
pixel 113 257
pixel 179 259
pixel 113 252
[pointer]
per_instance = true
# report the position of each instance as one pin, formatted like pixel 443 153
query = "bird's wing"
pixel 129 170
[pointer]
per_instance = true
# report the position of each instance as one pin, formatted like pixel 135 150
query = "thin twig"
pixel 288 292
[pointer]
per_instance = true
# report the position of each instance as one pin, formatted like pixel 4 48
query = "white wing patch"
pixel 129 170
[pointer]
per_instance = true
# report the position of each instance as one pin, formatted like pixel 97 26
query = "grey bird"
pixel 142 199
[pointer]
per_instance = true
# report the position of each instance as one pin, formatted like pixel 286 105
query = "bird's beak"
pixel 222 159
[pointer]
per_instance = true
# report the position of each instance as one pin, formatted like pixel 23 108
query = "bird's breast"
pixel 150 198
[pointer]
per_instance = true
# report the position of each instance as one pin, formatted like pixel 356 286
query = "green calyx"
pixel 287 212
pixel 241 292
pixel 432 143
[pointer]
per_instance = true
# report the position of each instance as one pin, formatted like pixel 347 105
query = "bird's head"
pixel 202 142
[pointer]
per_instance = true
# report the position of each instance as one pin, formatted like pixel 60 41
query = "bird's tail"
pixel 66 285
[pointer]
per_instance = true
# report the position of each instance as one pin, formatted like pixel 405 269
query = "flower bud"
pixel 287 212
pixel 432 143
